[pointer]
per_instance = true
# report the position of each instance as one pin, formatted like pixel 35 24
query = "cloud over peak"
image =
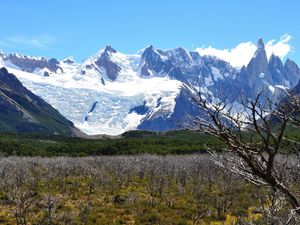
pixel 243 52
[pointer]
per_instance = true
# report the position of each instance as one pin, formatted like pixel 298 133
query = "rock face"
pixel 297 89
pixel 22 111
pixel 292 72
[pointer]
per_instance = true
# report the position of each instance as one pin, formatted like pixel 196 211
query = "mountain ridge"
pixel 157 80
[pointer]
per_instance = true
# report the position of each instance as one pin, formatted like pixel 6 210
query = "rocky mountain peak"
pixel 275 61
pixel 111 68
pixel 261 53
pixel 260 44
pixel 3 70
pixel 149 53
pixel 291 64
pixel 180 57
pixel 109 49
pixel 152 61
pixel 257 68
pixel 10 82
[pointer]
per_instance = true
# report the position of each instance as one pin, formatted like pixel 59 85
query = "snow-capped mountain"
pixel 111 92
pixel 31 64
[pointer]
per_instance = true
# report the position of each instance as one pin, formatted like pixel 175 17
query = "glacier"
pixel 73 95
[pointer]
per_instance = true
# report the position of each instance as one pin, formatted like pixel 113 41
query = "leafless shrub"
pixel 254 139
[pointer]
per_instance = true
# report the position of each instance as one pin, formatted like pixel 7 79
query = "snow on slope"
pixel 73 94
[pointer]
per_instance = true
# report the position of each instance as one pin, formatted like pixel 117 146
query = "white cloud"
pixel 41 41
pixel 280 48
pixel 243 52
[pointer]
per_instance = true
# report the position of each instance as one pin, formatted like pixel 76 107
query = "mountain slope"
pixel 22 111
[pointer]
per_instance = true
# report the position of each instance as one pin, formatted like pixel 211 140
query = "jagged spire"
pixel 260 53
pixel 260 44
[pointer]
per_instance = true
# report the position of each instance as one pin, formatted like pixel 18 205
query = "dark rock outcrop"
pixel 185 111
pixel 140 110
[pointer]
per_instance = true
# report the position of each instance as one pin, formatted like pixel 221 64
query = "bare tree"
pixel 85 211
pixel 253 137
pixel 22 199
pixel 50 204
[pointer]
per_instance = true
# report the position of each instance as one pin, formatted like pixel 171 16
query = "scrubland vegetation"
pixel 143 189
pixel 251 175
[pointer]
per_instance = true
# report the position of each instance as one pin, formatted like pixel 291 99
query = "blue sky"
pixel 60 28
